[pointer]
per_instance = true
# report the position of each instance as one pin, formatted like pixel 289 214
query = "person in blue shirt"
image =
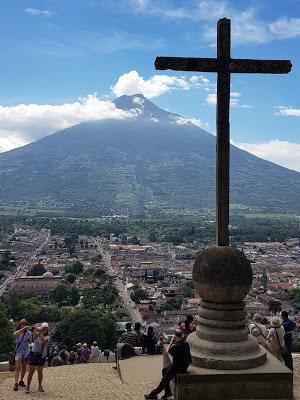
pixel 288 337
pixel 22 340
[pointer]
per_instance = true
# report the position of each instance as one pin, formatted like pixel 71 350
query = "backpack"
pixel 71 357
pixel 60 360
pixel 256 331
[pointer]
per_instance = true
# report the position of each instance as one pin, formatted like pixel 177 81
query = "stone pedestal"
pixel 222 276
pixel 269 381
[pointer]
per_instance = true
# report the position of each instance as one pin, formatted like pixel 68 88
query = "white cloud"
pixel 246 26
pixel 288 111
pixel 187 121
pixel 35 12
pixel 285 28
pixel 23 124
pixel 131 83
pixel 211 100
pixel 279 152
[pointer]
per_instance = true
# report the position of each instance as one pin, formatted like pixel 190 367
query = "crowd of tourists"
pixel 278 340
pixel 32 348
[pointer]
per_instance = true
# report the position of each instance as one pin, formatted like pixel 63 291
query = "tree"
pixel 5 262
pixel 76 268
pixel 139 294
pixel 60 295
pixel 49 314
pixel 29 309
pixel 96 259
pixel 6 335
pixel 80 326
pixel 186 291
pixel 37 270
pixel 152 237
pixel 71 278
pixel 109 327
pixel 74 296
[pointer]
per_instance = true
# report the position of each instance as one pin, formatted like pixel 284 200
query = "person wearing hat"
pixel 276 338
pixel 37 357
pixel 22 340
pixel 261 339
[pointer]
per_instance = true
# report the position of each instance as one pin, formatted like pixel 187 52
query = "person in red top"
pixel 187 326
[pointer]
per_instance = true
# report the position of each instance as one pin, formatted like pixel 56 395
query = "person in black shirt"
pixel 180 351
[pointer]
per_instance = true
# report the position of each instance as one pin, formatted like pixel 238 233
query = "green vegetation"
pixel 103 295
pixel 6 334
pixel 139 294
pixel 6 262
pixel 294 297
pixel 37 270
pixel 76 268
pixel 63 296
pixel 86 326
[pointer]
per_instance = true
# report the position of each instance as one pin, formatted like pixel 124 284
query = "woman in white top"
pixel 276 338
pixel 257 322
pixel 94 353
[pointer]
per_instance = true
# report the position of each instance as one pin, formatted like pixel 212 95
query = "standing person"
pixel 64 355
pixel 94 352
pixel 73 356
pixel 276 338
pixel 37 357
pixel 57 348
pixel 22 341
pixel 55 360
pixel 79 350
pixel 180 350
pixel 187 326
pixel 148 341
pixel 50 355
pixel 85 354
pixel 138 330
pixel 257 322
pixel 289 327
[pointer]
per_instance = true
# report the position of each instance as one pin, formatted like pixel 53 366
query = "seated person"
pixel 148 341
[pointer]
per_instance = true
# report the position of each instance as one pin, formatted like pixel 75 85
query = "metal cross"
pixel 224 65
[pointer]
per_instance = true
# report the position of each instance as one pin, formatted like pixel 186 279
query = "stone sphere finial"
pixel 222 274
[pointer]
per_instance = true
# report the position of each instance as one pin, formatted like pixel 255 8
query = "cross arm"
pixel 260 66
pixel 186 64
pixel 219 65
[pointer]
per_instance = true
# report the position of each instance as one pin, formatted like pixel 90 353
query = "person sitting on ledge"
pixel 130 337
pixel 180 351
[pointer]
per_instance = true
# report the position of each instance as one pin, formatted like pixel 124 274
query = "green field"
pixel 9 210
pixel 272 216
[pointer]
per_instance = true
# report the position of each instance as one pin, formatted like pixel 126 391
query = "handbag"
pixel 283 349
pixel 34 358
pixel 12 360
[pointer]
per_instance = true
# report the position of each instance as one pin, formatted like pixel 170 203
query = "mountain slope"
pixel 150 164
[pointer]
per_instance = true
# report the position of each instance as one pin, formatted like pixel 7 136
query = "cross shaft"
pixel 224 65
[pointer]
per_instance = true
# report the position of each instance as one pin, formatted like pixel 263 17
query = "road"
pixel 22 268
pixel 129 304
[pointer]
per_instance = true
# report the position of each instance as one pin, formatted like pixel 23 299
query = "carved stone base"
pixel 221 340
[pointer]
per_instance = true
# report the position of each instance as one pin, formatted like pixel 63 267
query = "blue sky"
pixel 63 61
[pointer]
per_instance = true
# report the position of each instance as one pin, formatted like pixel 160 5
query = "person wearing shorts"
pixel 22 340
pixel 40 338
